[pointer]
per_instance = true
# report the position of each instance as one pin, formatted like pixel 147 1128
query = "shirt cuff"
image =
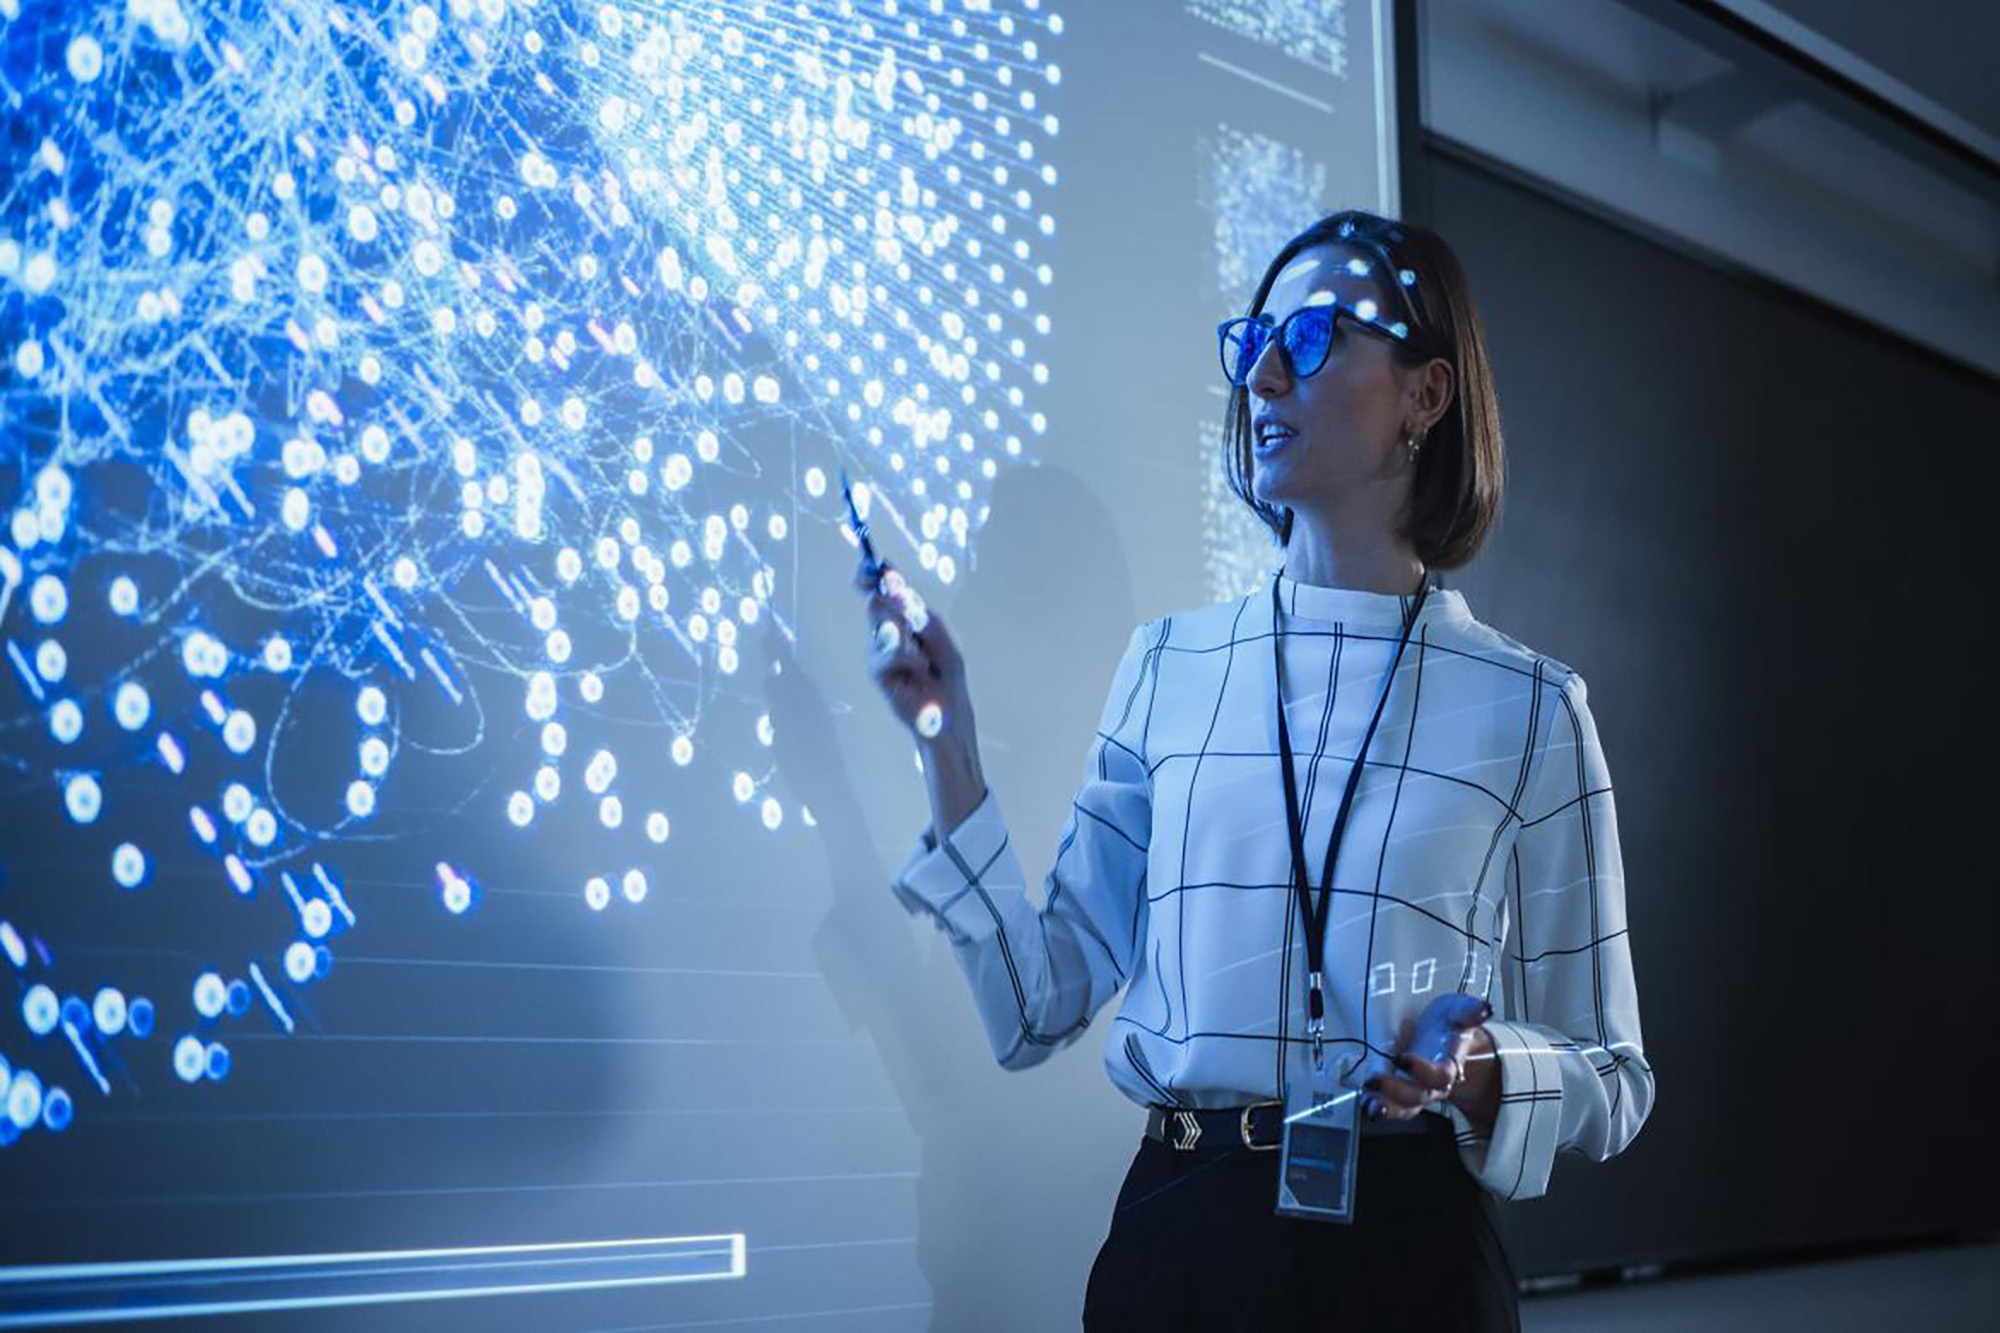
pixel 943 878
pixel 1514 1162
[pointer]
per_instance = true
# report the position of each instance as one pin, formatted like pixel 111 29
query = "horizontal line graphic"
pixel 57 1295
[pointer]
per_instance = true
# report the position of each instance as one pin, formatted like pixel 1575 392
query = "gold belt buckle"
pixel 1255 1147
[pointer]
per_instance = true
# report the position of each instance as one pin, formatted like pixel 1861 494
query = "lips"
pixel 1273 436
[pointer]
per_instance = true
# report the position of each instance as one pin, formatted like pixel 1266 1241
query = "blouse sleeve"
pixel 1573 1070
pixel 1039 973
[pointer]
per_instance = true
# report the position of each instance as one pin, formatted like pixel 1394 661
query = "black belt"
pixel 1259 1126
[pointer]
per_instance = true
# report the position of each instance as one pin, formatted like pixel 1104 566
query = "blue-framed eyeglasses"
pixel 1305 339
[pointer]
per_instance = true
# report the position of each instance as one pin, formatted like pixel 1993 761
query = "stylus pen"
pixel 860 526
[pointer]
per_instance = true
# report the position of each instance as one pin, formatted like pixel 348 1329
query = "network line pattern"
pixel 475 363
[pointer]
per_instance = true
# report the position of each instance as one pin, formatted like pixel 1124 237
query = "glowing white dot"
pixel 210 995
pixel 520 809
pixel 48 600
pixel 39 273
pixel 657 827
pixel 131 705
pixel 202 654
pixel 299 961
pixel 108 1011
pixel 554 739
pixel 635 886
pixel 682 750
pixel 541 701
pixel 611 811
pixel 190 1059
pixel 40 1010
pixel 597 892
pixel 360 799
pixel 85 58
pixel 744 786
pixel 261 828
pixel 374 757
pixel 239 733
pixel 128 866
pixel 124 596
pixel 930 720
pixel 773 813
pixel 371 705
pixel 65 721
pixel 83 797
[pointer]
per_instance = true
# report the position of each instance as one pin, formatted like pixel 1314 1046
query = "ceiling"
pixel 1942 49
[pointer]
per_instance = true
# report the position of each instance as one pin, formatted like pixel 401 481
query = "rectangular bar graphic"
pixel 57 1295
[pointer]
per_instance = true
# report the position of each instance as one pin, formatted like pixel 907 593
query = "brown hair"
pixel 1455 494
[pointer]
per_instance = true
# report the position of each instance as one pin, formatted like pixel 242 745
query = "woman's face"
pixel 1349 418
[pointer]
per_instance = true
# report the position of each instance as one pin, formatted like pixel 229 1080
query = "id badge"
pixel 1321 1145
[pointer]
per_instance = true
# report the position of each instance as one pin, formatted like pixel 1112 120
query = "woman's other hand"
pixel 1468 1078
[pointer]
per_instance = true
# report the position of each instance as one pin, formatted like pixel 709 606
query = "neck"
pixel 1347 555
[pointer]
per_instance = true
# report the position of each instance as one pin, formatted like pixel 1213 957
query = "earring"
pixel 1415 444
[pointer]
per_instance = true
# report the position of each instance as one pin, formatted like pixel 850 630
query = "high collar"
pixel 1354 607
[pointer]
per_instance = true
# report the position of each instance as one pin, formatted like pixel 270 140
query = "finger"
pixel 1398 1093
pixel 1437 1077
pixel 1383 1105
pixel 866 579
pixel 937 637
pixel 882 607
pixel 894 649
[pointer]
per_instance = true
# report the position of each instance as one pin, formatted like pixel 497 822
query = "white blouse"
pixel 1482 823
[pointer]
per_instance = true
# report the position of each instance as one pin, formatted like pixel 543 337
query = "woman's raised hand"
pixel 913 660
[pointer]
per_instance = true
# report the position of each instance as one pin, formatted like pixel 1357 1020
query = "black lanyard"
pixel 1315 915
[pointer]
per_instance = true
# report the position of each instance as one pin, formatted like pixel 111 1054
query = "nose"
pixel 1269 377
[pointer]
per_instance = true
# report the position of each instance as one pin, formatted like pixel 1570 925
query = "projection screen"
pixel 445 871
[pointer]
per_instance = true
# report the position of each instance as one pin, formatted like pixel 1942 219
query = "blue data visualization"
pixel 406 413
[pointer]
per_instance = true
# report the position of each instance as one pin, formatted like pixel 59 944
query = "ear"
pixel 1428 393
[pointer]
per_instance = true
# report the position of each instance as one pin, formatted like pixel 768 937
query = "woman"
pixel 1473 852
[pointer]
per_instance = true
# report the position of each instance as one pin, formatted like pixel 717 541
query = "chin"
pixel 1270 489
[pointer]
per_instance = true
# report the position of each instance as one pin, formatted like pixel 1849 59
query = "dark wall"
pixel 1757 527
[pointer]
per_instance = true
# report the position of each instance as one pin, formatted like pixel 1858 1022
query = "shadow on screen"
pixel 991 1140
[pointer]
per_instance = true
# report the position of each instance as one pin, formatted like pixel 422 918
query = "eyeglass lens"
pixel 1307 337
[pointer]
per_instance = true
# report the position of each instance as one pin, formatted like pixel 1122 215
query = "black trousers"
pixel 1196 1246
